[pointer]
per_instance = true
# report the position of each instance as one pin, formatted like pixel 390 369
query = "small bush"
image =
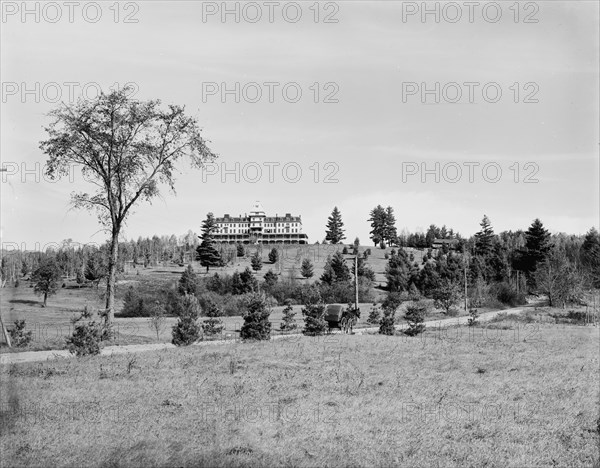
pixel 345 250
pixel 473 316
pixel 506 294
pixel 18 336
pixel 86 337
pixel 374 315
pixel 386 256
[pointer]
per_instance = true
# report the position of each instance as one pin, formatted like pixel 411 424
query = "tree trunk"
pixel 112 276
pixel 45 298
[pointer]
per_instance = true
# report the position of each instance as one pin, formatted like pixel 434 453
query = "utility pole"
pixel 356 282
pixel 465 261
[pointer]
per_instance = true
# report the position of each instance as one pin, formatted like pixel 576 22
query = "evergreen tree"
pixel 314 313
pixel 335 231
pixel 484 239
pixel 374 315
pixel 270 279
pixel 186 331
pixel 537 248
pixel 390 233
pixel 213 325
pixel 257 325
pixel 397 272
pixel 45 279
pixel 133 304
pixel 206 252
pixel 256 261
pixel 188 283
pixel 378 223
pixel 307 269
pixel 336 269
pixel 274 255
pixel 248 282
pixel 288 322
pixel 240 251
pixel 390 305
pixel 415 316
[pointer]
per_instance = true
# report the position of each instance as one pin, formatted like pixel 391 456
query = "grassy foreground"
pixel 458 399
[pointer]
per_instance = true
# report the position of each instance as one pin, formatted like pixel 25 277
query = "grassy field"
pixel 470 398
pixel 50 325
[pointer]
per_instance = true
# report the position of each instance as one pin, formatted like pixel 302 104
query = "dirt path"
pixel 36 356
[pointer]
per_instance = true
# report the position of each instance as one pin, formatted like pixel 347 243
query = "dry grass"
pixel 463 399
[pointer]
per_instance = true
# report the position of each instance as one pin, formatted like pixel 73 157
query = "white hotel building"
pixel 257 228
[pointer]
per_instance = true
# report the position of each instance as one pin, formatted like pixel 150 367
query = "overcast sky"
pixel 367 145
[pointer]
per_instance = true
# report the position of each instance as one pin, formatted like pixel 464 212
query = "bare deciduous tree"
pixel 124 147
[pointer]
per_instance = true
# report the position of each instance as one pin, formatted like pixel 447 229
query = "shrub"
pixel 446 295
pixel 256 319
pixel 313 312
pixel 18 336
pixel 345 250
pixel 368 251
pixel 374 315
pixel 288 322
pixel 186 331
pixel 473 316
pixel 415 316
pixel 382 245
pixel 86 336
pixel 508 295
pixel 386 256
pixel 16 284
pixel 213 325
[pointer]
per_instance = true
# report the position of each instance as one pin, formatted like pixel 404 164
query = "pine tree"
pixel 415 316
pixel 537 248
pixel 256 261
pixel 335 231
pixel 307 269
pixel 213 325
pixel 397 271
pixel 288 322
pixel 206 252
pixel 374 315
pixel 188 283
pixel 314 313
pixel 274 255
pixel 186 331
pixel 484 239
pixel 336 269
pixel 257 325
pixel 240 250
pixel 390 233
pixel 270 279
pixel 378 223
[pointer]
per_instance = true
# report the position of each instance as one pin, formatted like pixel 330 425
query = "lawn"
pixel 466 400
